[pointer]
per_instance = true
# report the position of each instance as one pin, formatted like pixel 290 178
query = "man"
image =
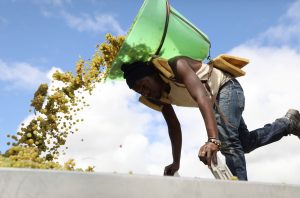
pixel 193 84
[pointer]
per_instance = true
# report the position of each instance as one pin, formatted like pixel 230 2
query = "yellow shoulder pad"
pixel 163 66
pixel 230 64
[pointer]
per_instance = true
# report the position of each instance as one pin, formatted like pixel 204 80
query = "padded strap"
pixel 230 64
pixel 150 104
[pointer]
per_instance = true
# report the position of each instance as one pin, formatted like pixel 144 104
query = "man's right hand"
pixel 171 169
pixel 208 153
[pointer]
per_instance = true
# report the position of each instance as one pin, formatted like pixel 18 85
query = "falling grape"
pixel 38 143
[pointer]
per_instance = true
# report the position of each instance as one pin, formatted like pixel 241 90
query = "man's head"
pixel 142 77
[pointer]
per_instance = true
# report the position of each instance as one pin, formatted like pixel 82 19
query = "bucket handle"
pixel 165 28
pixel 168 9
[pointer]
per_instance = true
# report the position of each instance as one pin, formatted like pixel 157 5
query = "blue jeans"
pixel 233 133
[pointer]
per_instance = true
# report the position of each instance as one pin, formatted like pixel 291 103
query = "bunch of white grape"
pixel 55 113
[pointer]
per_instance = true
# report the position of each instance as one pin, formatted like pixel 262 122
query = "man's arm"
pixel 175 137
pixel 184 72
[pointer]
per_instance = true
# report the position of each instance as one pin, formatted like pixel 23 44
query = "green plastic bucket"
pixel 159 29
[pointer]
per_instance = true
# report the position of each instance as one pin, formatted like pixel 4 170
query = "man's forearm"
pixel 206 110
pixel 174 131
pixel 176 141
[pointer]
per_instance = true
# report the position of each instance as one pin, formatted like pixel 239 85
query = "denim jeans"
pixel 233 133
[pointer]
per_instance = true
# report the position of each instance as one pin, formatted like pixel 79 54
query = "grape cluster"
pixel 56 111
pixel 29 157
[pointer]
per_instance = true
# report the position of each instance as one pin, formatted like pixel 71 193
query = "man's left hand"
pixel 171 169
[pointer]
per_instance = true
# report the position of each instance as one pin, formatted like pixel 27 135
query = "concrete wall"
pixel 27 183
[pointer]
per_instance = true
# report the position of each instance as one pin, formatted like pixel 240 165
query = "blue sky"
pixel 36 36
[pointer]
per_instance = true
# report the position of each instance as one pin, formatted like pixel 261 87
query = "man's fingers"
pixel 208 158
pixel 208 154
pixel 172 171
pixel 214 159
pixel 169 171
pixel 203 159
pixel 202 154
pixel 166 171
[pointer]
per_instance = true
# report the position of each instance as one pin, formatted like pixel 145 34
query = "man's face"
pixel 148 87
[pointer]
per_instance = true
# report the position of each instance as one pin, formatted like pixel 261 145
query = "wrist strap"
pixel 214 141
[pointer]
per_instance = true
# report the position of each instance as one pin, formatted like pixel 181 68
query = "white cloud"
pixel 293 12
pixel 286 32
pixel 98 23
pixel 21 75
pixel 59 2
pixel 55 3
pixel 113 131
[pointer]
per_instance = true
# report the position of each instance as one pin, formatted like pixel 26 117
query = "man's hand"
pixel 208 153
pixel 171 169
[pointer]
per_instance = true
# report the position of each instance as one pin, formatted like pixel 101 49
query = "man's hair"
pixel 135 71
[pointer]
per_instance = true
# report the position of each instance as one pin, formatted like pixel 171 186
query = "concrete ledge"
pixel 28 183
